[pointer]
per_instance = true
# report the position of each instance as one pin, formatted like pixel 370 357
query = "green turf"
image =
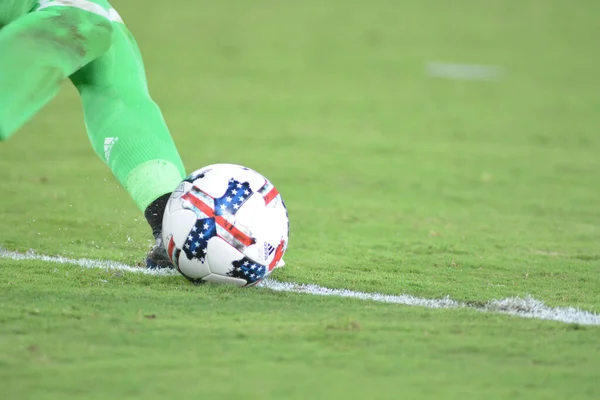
pixel 395 182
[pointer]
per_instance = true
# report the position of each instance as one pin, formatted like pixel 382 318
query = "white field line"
pixel 527 307
pixel 83 262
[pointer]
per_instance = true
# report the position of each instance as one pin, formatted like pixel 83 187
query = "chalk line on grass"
pixel 83 262
pixel 527 307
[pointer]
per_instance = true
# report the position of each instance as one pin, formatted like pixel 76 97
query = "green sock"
pixel 37 52
pixel 124 124
pixel 126 128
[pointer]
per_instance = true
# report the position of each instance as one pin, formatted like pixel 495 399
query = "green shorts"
pixel 13 9
pixel 100 7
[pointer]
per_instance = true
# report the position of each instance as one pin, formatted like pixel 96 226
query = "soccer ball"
pixel 226 223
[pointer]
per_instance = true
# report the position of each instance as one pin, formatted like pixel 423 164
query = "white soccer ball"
pixel 226 223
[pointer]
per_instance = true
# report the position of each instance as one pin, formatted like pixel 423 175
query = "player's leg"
pixel 38 51
pixel 128 132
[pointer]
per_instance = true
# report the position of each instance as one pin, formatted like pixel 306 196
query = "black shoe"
pixel 157 257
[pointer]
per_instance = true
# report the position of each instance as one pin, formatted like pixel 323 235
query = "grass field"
pixel 396 182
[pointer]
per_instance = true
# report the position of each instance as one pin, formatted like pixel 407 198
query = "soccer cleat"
pixel 157 257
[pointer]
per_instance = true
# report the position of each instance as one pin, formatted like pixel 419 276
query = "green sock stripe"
pixel 150 180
